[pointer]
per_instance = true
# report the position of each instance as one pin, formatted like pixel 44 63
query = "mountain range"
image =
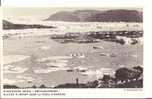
pixel 118 15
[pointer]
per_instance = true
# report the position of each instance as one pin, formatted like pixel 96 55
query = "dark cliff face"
pixel 8 25
pixel 118 16
pixel 98 16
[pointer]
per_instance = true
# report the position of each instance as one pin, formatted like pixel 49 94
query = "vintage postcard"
pixel 72 52
pixel 72 48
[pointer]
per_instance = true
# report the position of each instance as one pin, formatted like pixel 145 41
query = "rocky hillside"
pixel 123 78
pixel 10 25
pixel 119 15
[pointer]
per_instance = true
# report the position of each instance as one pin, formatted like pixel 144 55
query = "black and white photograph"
pixel 48 47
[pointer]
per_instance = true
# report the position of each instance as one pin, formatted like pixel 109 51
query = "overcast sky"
pixel 41 12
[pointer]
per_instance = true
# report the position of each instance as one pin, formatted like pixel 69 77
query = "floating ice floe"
pixel 13 69
pixel 77 55
pixel 54 58
pixel 25 78
pixel 89 73
pixel 58 64
pixel 80 69
pixel 43 71
pixel 126 39
pixel 129 41
pixel 12 81
pixel 104 54
pixel 49 70
pixel 62 61
pixel 8 59
pixel 44 48
pixel 99 72
pixel 55 63
pixel 9 81
pixel 98 47
pixel 64 27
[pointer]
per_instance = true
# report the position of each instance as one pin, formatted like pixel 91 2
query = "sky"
pixel 40 9
pixel 40 13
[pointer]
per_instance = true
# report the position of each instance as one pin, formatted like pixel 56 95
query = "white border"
pixel 147 49
pixel 113 93
pixel 90 93
pixel 1 51
pixel 73 3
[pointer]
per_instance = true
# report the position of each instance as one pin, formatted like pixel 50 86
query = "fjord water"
pixel 30 54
